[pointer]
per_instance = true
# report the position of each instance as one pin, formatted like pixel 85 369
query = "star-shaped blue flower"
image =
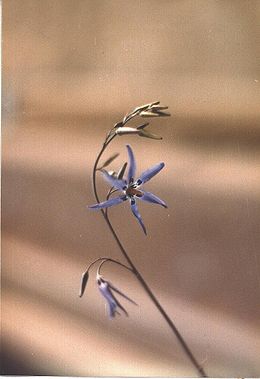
pixel 131 188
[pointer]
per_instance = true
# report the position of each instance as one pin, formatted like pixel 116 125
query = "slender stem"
pixel 114 261
pixel 104 260
pixel 149 292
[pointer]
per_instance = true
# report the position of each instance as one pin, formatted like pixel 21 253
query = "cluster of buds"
pixel 148 110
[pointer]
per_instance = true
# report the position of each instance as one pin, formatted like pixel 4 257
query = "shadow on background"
pixel 70 71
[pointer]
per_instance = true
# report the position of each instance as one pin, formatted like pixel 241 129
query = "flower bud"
pixel 126 130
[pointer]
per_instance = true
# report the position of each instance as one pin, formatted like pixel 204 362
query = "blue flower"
pixel 131 188
pixel 106 289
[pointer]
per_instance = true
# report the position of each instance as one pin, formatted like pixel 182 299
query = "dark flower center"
pixel 131 191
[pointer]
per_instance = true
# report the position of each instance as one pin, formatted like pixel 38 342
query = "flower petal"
pixel 109 203
pixel 104 289
pixel 145 133
pixel 122 294
pixel 121 172
pixel 116 183
pixel 148 174
pixel 151 198
pixel 120 306
pixel 132 164
pixel 112 310
pixel 137 214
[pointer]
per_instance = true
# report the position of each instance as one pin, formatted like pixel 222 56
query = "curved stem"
pixel 104 260
pixel 114 261
pixel 145 286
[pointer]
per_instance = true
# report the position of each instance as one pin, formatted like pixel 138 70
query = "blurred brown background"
pixel 71 69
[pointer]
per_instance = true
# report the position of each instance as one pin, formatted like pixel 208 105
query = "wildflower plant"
pixel 124 185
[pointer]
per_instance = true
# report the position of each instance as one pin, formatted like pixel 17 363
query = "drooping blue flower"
pixel 131 188
pixel 106 289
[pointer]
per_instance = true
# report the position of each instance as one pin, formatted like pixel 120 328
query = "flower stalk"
pixel 149 110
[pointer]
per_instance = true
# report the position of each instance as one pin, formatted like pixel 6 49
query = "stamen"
pixel 132 191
